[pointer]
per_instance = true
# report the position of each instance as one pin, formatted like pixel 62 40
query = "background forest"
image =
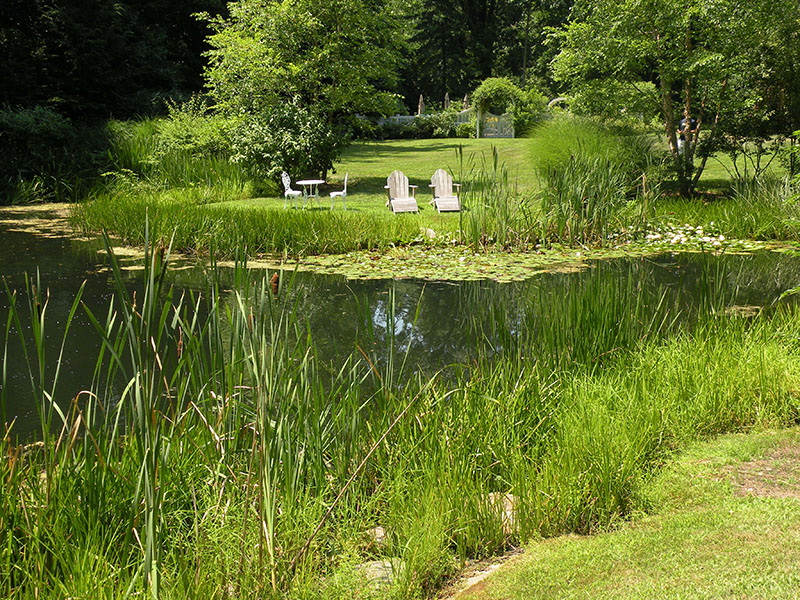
pixel 284 85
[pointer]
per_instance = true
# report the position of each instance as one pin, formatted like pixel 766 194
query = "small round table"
pixel 310 189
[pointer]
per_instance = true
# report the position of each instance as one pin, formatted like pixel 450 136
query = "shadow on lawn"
pixel 382 149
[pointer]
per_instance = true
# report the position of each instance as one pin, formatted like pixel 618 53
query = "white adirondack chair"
pixel 342 194
pixel 442 187
pixel 288 191
pixel 397 189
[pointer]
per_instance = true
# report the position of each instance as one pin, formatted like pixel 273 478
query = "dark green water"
pixel 437 323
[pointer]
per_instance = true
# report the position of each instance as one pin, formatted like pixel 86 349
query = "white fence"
pixel 488 126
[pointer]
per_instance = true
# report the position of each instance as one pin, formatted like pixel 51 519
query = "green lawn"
pixel 727 526
pixel 504 216
pixel 370 163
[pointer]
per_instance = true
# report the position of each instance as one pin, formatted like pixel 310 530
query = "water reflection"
pixel 435 323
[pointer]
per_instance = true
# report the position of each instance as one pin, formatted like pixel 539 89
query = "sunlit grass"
pixel 702 541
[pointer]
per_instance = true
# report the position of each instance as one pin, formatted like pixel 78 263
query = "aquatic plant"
pixel 213 440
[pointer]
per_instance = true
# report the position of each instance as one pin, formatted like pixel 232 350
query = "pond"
pixel 436 323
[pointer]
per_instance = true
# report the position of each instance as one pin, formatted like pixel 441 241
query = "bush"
pixel 443 123
pixel 193 128
pixel 499 95
pixel 466 130
pixel 286 138
pixel 530 111
pixel 43 154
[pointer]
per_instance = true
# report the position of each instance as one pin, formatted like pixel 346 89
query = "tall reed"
pixel 204 457
pixel 494 211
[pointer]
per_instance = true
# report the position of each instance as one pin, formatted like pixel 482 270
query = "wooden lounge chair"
pixel 399 199
pixel 442 188
pixel 288 191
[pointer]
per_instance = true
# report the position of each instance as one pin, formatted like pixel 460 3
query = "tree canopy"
pixel 703 59
pixel 338 56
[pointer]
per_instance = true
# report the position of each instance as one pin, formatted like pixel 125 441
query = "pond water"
pixel 438 323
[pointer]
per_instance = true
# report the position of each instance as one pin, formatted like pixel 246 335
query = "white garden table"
pixel 310 189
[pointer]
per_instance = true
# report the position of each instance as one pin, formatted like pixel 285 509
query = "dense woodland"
pixel 95 59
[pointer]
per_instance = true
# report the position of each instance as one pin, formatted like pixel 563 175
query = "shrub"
pixel 499 95
pixel 193 128
pixel 43 154
pixel 443 123
pixel 286 138
pixel 466 130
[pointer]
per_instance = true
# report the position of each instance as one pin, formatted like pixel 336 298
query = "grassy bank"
pixel 573 182
pixel 214 456
pixel 725 522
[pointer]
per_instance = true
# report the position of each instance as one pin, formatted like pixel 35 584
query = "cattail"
pixel 275 280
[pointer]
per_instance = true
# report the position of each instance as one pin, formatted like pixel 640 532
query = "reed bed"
pixel 762 209
pixel 214 455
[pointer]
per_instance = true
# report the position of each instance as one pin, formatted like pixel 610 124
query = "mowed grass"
pixel 368 164
pixel 726 525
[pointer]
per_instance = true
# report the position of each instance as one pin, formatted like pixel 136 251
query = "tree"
pixel 702 57
pixel 327 60
pixel 337 57
pixel 91 59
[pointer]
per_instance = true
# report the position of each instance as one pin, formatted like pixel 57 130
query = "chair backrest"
pixel 442 184
pixel 397 184
pixel 287 181
pixel 345 183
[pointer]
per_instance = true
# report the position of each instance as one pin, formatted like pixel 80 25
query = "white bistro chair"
pixel 288 191
pixel 342 194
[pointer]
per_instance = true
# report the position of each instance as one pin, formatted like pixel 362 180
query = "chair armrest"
pixel 413 190
pixel 458 185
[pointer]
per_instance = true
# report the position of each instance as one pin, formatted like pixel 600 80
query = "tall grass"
pixel 761 209
pixel 145 159
pixel 494 211
pixel 590 177
pixel 195 228
pixel 583 200
pixel 204 456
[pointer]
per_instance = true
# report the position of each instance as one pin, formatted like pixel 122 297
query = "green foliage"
pixel 286 138
pixel 287 71
pixel 466 130
pixel 762 209
pixel 33 139
pixel 612 99
pixel 582 199
pixel 199 229
pixel 212 439
pixel 45 157
pixel 497 95
pixel 182 155
pixel 715 54
pixel 500 95
pixel 336 58
pixel 192 127
pixel 589 173
pixel 530 111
